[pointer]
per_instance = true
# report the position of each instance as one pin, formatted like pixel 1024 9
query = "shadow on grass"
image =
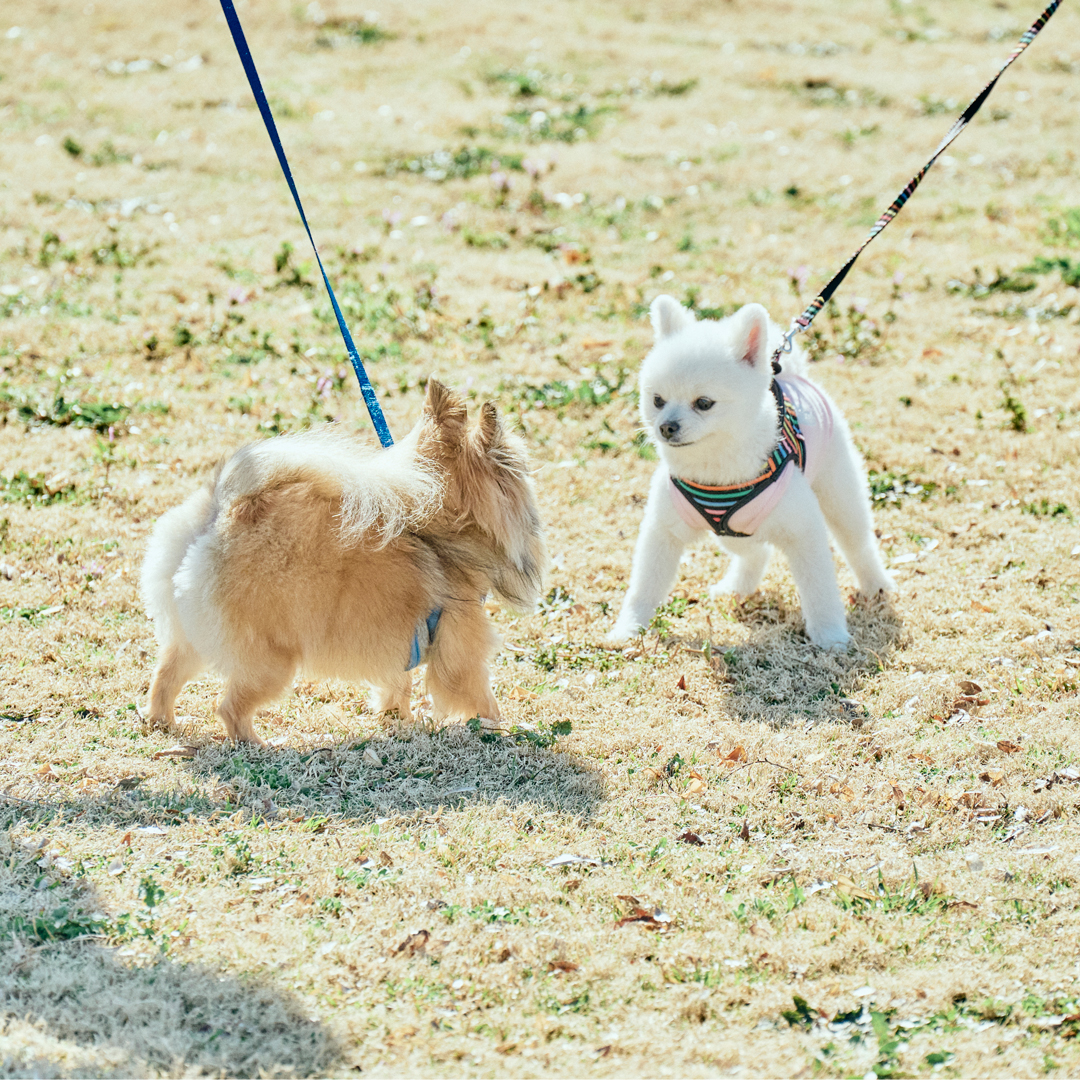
pixel 779 678
pixel 357 780
pixel 70 1006
pixel 408 772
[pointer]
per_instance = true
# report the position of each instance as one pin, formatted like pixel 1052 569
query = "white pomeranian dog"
pixel 763 462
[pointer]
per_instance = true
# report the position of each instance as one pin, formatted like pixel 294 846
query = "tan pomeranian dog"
pixel 315 553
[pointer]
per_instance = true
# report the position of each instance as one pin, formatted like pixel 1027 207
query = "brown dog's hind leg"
pixel 458 678
pixel 249 689
pixel 177 663
pixel 394 698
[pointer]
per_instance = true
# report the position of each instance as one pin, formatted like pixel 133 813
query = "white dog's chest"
pixel 741 509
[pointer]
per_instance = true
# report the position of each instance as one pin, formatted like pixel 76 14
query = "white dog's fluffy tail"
pixel 172 536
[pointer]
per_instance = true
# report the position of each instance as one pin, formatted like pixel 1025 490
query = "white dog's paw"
pixel 880 583
pixel 622 632
pixel 835 638
pixel 732 584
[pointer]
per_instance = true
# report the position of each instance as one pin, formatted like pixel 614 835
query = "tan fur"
pixel 295 560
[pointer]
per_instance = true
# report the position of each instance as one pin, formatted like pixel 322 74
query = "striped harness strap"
pixel 894 208
pixel 717 504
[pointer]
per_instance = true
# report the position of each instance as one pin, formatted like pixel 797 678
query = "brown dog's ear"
pixel 445 410
pixel 490 430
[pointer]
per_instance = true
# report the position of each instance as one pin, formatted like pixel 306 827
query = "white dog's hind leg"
pixel 804 539
pixel 656 563
pixel 749 560
pixel 842 494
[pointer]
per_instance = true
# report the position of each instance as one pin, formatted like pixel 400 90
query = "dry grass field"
pixel 719 851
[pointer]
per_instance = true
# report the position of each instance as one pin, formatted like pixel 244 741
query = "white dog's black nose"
pixel 669 429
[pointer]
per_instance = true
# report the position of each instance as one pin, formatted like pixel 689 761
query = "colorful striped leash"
pixel 371 400
pixel 807 317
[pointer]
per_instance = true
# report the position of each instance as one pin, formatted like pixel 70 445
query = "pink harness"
pixel 806 426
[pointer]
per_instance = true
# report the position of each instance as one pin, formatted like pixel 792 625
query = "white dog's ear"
pixel 752 334
pixel 669 317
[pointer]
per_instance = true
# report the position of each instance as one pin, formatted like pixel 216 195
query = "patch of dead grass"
pixel 855 830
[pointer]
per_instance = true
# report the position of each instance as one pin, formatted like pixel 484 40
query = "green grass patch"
pixel 890 487
pixel 462 164
pixel 37 490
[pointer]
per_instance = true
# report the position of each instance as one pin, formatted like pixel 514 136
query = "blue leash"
pixel 370 398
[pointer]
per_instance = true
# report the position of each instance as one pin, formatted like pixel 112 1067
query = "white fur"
pixel 728 362
pixel 173 535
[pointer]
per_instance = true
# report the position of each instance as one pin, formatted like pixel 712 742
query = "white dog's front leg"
pixel 656 562
pixel 749 560
pixel 800 532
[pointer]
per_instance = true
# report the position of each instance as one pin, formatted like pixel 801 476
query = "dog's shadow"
pixel 780 678
pixel 73 1008
pixel 402 772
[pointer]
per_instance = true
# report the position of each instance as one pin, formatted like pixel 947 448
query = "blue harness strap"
pixel 418 647
pixel 370 398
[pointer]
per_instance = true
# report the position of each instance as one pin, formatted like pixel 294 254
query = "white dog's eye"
pixel 658 401
pixel 703 404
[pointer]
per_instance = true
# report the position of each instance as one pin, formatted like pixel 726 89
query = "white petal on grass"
pixel 572 860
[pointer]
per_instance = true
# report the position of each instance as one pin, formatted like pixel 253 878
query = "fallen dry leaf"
pixel 972 689
pixel 657 919
pixel 413 944
pixel 372 758
pixel 842 791
pixel 1008 747
pixel 520 693
pixel 689 837
pixel 49 772
pixel 681 684
pixel 993 776
pixel 733 759
pixel 976 606
pixel 744 832
pixel 696 787
pixel 177 751
pixel 849 888
pixel 562 965
pixel 962 905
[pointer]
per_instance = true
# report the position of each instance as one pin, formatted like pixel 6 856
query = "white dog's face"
pixel 703 382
